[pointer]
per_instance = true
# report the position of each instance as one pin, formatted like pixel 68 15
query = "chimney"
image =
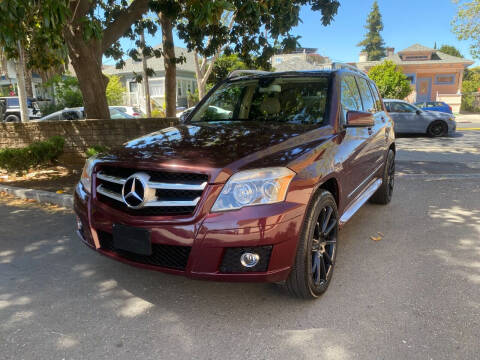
pixel 390 51
pixel 363 57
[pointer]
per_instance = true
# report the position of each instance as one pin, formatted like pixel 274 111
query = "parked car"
pixel 435 106
pixel 130 110
pixel 79 114
pixel 410 119
pixel 12 111
pixel 256 194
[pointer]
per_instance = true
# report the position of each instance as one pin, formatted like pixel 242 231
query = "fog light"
pixel 249 260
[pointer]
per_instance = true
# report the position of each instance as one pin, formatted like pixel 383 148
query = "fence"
pixel 79 135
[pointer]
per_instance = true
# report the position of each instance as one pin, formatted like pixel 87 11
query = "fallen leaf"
pixel 60 191
pixel 379 233
pixel 375 238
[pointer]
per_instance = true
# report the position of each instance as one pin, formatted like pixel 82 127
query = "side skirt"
pixel 358 202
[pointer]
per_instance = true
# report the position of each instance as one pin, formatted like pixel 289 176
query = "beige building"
pixel 434 76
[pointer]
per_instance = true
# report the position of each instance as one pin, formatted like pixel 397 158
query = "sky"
pixel 406 22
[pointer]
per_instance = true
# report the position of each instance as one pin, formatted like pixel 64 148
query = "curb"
pixel 41 196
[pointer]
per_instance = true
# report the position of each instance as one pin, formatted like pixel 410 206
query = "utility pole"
pixel 22 93
pixel 146 87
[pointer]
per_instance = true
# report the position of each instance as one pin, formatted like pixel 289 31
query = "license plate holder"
pixel 132 239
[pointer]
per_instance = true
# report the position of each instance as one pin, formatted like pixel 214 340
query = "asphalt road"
pixel 413 295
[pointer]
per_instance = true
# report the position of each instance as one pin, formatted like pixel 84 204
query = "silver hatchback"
pixel 410 119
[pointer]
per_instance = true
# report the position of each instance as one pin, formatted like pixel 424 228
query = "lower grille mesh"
pixel 168 256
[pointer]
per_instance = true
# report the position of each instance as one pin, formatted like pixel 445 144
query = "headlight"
pixel 86 178
pixel 254 187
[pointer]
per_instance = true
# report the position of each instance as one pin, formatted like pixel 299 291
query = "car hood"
pixel 219 149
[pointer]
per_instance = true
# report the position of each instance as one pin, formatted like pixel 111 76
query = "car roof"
pixel 295 73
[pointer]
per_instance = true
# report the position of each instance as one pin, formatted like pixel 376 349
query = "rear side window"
pixel 376 97
pixel 351 100
pixel 367 98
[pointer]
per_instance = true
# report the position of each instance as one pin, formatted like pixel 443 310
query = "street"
pixel 412 295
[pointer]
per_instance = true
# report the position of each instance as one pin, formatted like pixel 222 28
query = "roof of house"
pixel 417 47
pixel 154 63
pixel 438 57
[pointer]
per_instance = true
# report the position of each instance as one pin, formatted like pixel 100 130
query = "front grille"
pixel 231 259
pixel 167 256
pixel 169 193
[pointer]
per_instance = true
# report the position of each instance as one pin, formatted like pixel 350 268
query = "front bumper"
pixel 204 239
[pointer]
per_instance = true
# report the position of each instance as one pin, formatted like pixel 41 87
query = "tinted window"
pixel 387 106
pixel 367 98
pixel 350 96
pixel 376 96
pixel 272 100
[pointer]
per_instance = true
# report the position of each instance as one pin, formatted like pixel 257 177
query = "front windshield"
pixel 296 100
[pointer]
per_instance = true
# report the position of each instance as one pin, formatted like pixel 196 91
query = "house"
pixel 8 81
pixel 186 80
pixel 300 59
pixel 434 76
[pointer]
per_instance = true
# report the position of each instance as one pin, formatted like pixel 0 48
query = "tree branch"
pixel 123 22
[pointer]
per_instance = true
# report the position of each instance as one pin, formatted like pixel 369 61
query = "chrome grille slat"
pixel 177 186
pixel 108 193
pixel 109 178
pixel 173 203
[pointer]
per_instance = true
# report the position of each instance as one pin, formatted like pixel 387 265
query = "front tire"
pixel 384 193
pixel 437 128
pixel 317 249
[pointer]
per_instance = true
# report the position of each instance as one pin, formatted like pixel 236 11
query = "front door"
pixel 424 89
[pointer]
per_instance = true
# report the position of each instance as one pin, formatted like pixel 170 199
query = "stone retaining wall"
pixel 80 134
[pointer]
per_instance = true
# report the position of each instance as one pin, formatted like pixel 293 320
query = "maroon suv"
pixel 252 186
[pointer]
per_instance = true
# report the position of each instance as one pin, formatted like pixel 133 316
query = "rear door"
pixel 403 116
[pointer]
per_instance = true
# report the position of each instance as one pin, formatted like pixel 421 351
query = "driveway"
pixel 413 295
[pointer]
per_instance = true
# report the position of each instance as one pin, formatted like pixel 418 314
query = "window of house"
pixel 278 60
pixel 447 79
pixel 415 57
pixel 412 78
pixel 179 88
pixel 133 87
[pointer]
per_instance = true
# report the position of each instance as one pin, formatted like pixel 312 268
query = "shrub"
pixel 391 81
pixel 37 153
pixel 115 91
pixel 96 149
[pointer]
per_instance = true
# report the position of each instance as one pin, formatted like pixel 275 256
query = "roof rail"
pixel 338 66
pixel 238 73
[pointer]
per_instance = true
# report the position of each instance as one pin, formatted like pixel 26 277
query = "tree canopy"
pixel 450 50
pixel 391 81
pixel 373 43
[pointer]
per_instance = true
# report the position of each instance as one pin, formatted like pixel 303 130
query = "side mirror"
pixel 360 119
pixel 418 112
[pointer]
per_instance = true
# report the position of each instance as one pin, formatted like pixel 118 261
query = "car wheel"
pixel 437 128
pixel 317 249
pixel 384 193
pixel 12 118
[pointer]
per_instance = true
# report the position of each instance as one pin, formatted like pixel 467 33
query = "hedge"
pixel 37 153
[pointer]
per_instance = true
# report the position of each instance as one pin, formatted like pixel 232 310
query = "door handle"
pixel 370 131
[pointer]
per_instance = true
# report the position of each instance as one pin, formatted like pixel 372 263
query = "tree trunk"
pixel 170 66
pixel 86 59
pixel 22 95
pixel 146 87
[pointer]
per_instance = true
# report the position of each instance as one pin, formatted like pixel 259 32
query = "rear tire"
pixel 317 249
pixel 437 128
pixel 384 193
pixel 12 118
